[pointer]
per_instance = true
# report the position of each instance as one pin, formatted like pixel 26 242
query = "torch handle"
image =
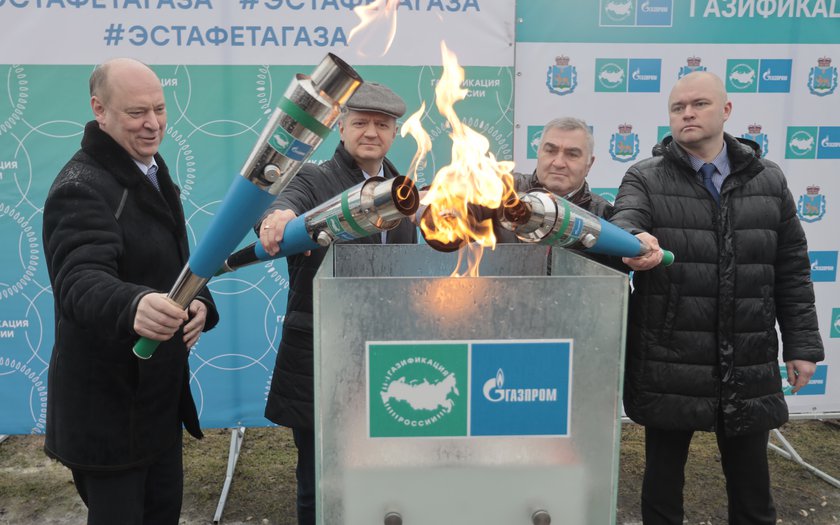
pixel 185 290
pixel 144 348
pixel 667 255
pixel 296 239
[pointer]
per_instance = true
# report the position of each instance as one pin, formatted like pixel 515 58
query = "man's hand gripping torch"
pixel 539 216
pixel 303 118
pixel 373 206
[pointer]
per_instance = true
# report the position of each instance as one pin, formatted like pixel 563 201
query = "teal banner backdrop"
pixel 224 65
pixel 220 92
pixel 680 21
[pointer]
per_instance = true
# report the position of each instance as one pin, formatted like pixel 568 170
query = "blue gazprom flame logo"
pixel 823 266
pixel 491 387
pixel 648 7
pixel 494 392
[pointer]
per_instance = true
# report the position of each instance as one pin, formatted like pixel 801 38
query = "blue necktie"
pixel 707 170
pixel 152 176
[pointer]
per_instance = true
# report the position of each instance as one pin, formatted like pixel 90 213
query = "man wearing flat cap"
pixel 367 127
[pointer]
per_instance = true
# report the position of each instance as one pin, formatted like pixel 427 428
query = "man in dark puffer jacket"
pixel 367 130
pixel 702 349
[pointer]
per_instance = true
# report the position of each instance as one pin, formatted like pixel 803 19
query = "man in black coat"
pixel 702 349
pixel 367 129
pixel 114 235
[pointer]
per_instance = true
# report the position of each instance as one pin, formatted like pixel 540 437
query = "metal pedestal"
pixel 492 400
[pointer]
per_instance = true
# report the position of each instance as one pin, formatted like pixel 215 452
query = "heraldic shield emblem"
pixel 561 78
pixel 811 206
pixel 754 134
pixel 822 80
pixel 692 64
pixel 624 145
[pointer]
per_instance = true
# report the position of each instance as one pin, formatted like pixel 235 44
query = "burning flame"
pixel 413 127
pixel 474 177
pixel 379 14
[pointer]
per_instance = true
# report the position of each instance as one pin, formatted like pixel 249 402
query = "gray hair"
pixel 570 124
pixel 98 81
pixel 99 78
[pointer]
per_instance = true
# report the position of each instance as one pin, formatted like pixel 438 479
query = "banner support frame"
pixel 237 436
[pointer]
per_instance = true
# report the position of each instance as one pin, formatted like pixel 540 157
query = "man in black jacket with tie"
pixel 702 349
pixel 114 237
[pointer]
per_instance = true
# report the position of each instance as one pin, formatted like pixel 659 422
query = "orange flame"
pixel 412 126
pixel 474 177
pixel 379 15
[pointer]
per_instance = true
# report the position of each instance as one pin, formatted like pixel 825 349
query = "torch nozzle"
pixel 515 211
pixel 405 196
pixel 431 227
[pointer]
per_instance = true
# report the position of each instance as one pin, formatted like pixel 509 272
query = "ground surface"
pixel 35 490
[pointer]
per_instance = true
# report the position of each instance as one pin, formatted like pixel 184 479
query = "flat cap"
pixel 377 98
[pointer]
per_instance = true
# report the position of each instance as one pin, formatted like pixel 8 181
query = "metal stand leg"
pixel 790 453
pixel 237 435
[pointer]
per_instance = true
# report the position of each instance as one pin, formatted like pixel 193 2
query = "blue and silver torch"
pixel 539 216
pixel 303 118
pixel 372 206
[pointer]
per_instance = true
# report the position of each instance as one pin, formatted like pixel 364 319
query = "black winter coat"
pixel 109 238
pixel 701 336
pixel 290 399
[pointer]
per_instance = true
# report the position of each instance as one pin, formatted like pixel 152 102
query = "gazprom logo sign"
pixel 752 75
pixel 634 75
pixel 775 75
pixel 823 266
pixel 645 74
pixel 636 13
pixel 813 142
pixel 469 388
pixel 521 388
pixel 829 142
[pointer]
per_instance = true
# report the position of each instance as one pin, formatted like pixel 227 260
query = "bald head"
pixel 128 103
pixel 698 108
pixel 120 67
pixel 702 81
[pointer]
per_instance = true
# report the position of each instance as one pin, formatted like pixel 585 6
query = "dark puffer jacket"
pixel 290 399
pixel 702 332
pixel 109 238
